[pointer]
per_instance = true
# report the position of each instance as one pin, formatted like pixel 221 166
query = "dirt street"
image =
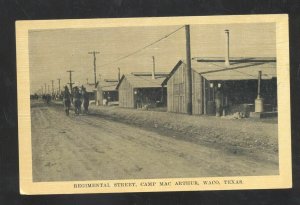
pixel 87 147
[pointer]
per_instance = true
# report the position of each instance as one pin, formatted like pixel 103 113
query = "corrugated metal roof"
pixel 239 68
pixel 214 68
pixel 108 85
pixel 143 81
pixel 89 87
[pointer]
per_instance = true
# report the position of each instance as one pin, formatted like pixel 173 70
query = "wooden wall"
pixel 126 95
pixel 177 91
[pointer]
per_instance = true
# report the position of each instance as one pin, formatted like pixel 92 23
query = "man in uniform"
pixel 86 100
pixel 67 100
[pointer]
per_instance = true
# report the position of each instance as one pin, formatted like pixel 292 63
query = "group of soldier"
pixel 75 97
pixel 46 98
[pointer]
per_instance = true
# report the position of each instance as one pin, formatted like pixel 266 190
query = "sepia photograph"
pixel 154 104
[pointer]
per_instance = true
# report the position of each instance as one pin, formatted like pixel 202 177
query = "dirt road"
pixel 88 147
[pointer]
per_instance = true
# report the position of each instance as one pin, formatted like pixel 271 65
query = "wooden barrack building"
pixel 137 90
pixel 107 91
pixel 235 84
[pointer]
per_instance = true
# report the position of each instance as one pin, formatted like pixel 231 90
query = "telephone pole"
pixel 45 89
pixel 94 54
pixel 58 86
pixel 52 87
pixel 70 83
pixel 189 69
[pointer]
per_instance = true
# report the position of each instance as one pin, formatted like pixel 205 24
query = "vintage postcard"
pixel 154 104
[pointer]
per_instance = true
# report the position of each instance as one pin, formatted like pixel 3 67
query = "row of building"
pixel 235 84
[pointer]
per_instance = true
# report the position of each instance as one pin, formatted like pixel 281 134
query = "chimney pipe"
pixel 153 69
pixel 227 63
pixel 119 75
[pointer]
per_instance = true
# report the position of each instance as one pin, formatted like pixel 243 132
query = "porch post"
pixel 258 84
pixel 259 102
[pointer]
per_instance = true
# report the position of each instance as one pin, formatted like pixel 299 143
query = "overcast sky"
pixel 53 52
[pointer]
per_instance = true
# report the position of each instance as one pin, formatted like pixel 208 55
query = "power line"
pixel 130 54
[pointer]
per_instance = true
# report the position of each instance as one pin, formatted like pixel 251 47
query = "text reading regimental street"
pixel 160 184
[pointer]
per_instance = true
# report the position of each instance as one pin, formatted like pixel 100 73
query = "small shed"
pixel 106 91
pixel 234 84
pixel 137 90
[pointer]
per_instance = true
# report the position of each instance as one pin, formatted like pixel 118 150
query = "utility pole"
pixel 48 89
pixel 153 69
pixel 45 89
pixel 189 69
pixel 42 90
pixel 52 87
pixel 70 83
pixel 94 54
pixel 58 86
